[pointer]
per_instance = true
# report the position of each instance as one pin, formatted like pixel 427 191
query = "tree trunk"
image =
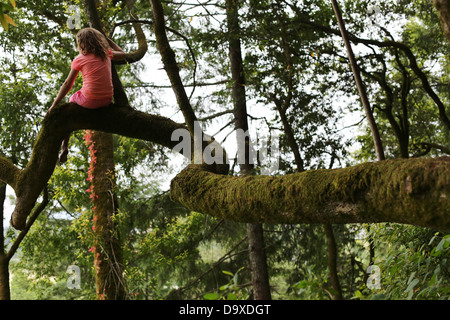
pixel 4 261
pixel 4 278
pixel 359 83
pixel 255 233
pixel 109 279
pixel 258 262
pixel 170 65
pixel 443 9
pixel 332 261
pixel 107 250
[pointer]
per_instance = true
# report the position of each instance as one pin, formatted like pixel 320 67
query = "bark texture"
pixel 413 191
pixel 110 284
pixel 443 8
pixel 59 123
pixel 255 232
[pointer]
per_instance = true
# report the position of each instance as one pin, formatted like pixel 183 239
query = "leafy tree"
pixel 296 68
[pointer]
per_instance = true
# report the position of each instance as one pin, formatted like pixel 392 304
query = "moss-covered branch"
pixel 61 121
pixel 8 172
pixel 412 191
pixel 29 182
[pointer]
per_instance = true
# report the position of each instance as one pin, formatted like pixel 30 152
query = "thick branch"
pixel 29 182
pixel 64 119
pixel 8 172
pixel 413 191
pixel 409 191
pixel 170 64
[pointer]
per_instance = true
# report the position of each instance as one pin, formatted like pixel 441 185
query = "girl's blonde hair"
pixel 90 40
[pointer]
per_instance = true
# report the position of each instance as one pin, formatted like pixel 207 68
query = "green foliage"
pixel 6 20
pixel 42 275
pixel 413 263
pixel 170 252
pixel 311 288
pixel 229 291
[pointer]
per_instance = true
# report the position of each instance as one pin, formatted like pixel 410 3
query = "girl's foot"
pixel 63 156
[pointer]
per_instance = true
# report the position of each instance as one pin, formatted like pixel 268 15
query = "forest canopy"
pixel 254 150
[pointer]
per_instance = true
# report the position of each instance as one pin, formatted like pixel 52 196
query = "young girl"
pixel 94 63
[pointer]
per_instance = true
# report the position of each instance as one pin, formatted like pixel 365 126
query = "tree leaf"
pixel 227 273
pixel 378 296
pixel 412 284
pixel 3 22
pixel 231 296
pixel 211 296
pixel 411 276
pixel 9 20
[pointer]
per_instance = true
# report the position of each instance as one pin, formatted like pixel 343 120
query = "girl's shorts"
pixel 81 100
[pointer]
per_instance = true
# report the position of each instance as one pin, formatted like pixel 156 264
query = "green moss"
pixel 413 191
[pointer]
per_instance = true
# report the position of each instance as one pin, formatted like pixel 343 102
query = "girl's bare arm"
pixel 118 53
pixel 65 88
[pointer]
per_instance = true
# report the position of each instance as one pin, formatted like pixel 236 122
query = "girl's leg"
pixel 64 150
pixel 79 99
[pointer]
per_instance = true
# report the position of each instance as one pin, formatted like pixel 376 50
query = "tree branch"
pixel 171 66
pixel 413 191
pixel 186 40
pixel 410 191
pixel 140 36
pixel 430 145
pixel 388 44
pixel 59 123
pixel 360 85
pixel 8 172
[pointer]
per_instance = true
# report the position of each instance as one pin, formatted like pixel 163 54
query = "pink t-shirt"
pixel 97 79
